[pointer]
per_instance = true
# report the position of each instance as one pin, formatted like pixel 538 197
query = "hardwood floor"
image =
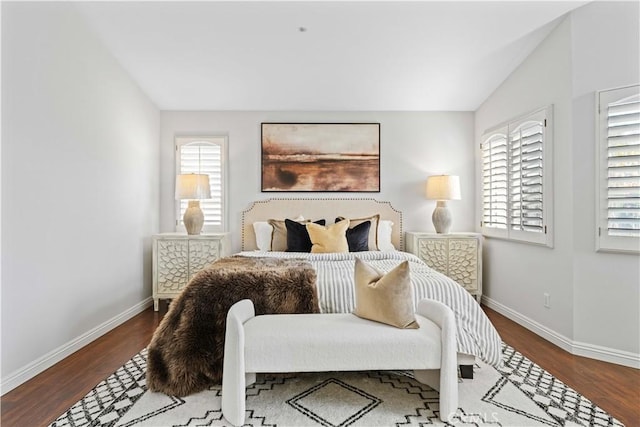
pixel 614 388
pixel 41 400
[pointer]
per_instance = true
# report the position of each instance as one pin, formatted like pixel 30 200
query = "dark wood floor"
pixel 41 400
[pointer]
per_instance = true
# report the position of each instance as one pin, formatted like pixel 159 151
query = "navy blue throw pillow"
pixel 298 239
pixel 358 237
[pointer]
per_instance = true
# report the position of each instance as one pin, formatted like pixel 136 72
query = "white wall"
pixel 606 54
pixel 517 274
pixel 595 301
pixel 79 186
pixel 413 146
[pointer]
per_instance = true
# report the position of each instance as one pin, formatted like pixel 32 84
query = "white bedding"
pixel 476 334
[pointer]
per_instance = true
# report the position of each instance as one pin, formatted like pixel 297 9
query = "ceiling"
pixel 327 56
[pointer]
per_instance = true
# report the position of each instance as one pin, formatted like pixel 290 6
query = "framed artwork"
pixel 326 157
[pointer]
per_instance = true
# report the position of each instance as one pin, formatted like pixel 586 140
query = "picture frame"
pixel 320 157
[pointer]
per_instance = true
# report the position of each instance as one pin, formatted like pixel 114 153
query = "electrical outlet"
pixel 547 300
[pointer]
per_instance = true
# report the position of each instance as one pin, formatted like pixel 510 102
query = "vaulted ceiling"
pixel 335 56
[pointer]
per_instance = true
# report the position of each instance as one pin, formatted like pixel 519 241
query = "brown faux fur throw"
pixel 186 351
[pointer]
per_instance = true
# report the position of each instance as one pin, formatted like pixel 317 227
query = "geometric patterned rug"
pixel 519 394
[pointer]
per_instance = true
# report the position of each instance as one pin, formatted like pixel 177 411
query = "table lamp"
pixel 442 188
pixel 193 187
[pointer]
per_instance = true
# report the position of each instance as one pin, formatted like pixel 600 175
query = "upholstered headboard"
pixel 314 209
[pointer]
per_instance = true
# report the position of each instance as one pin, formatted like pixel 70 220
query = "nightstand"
pixel 177 257
pixel 456 255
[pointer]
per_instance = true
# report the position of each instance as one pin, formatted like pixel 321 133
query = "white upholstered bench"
pixel 337 342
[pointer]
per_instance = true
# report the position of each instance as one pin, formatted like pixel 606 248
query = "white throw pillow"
pixel 263 231
pixel 384 236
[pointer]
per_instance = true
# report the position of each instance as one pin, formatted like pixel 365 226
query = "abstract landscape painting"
pixel 332 157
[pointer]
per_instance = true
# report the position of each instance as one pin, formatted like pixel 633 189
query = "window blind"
pixel 204 156
pixel 623 167
pixel 494 181
pixel 525 177
pixel 517 194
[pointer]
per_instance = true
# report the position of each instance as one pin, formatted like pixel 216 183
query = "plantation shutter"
pixel 204 156
pixel 526 176
pixel 619 112
pixel 494 180
pixel 517 193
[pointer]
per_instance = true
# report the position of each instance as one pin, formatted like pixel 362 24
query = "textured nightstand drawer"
pixel 177 257
pixel 456 255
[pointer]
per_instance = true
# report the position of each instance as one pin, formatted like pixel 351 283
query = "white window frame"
pixel 604 241
pixel 545 236
pixel 222 141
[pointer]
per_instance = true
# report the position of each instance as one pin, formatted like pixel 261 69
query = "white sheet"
pixel 476 334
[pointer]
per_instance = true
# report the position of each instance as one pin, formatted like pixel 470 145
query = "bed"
pixel 476 335
pixel 185 354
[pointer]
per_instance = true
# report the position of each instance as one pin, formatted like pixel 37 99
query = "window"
pixel 618 159
pixel 516 179
pixel 206 155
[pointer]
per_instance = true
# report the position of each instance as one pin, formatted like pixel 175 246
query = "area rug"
pixel 519 394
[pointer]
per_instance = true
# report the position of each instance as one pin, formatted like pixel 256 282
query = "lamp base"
pixel 193 218
pixel 441 217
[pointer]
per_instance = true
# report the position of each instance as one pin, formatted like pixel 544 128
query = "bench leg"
pixel 233 392
pixel 233 370
pixel 442 316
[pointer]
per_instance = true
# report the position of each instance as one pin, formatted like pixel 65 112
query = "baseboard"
pixel 605 354
pixel 29 371
pixel 535 327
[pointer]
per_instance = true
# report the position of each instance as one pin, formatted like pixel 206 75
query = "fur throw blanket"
pixel 186 351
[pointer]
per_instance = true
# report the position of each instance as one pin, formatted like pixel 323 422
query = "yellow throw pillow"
pixel 329 239
pixel 385 298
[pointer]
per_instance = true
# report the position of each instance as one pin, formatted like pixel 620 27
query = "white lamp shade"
pixel 193 186
pixel 443 187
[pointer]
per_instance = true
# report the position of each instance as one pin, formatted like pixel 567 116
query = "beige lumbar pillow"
pixel 329 239
pixel 385 298
pixel 279 234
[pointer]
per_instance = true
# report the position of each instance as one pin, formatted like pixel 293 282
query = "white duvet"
pixel 476 334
